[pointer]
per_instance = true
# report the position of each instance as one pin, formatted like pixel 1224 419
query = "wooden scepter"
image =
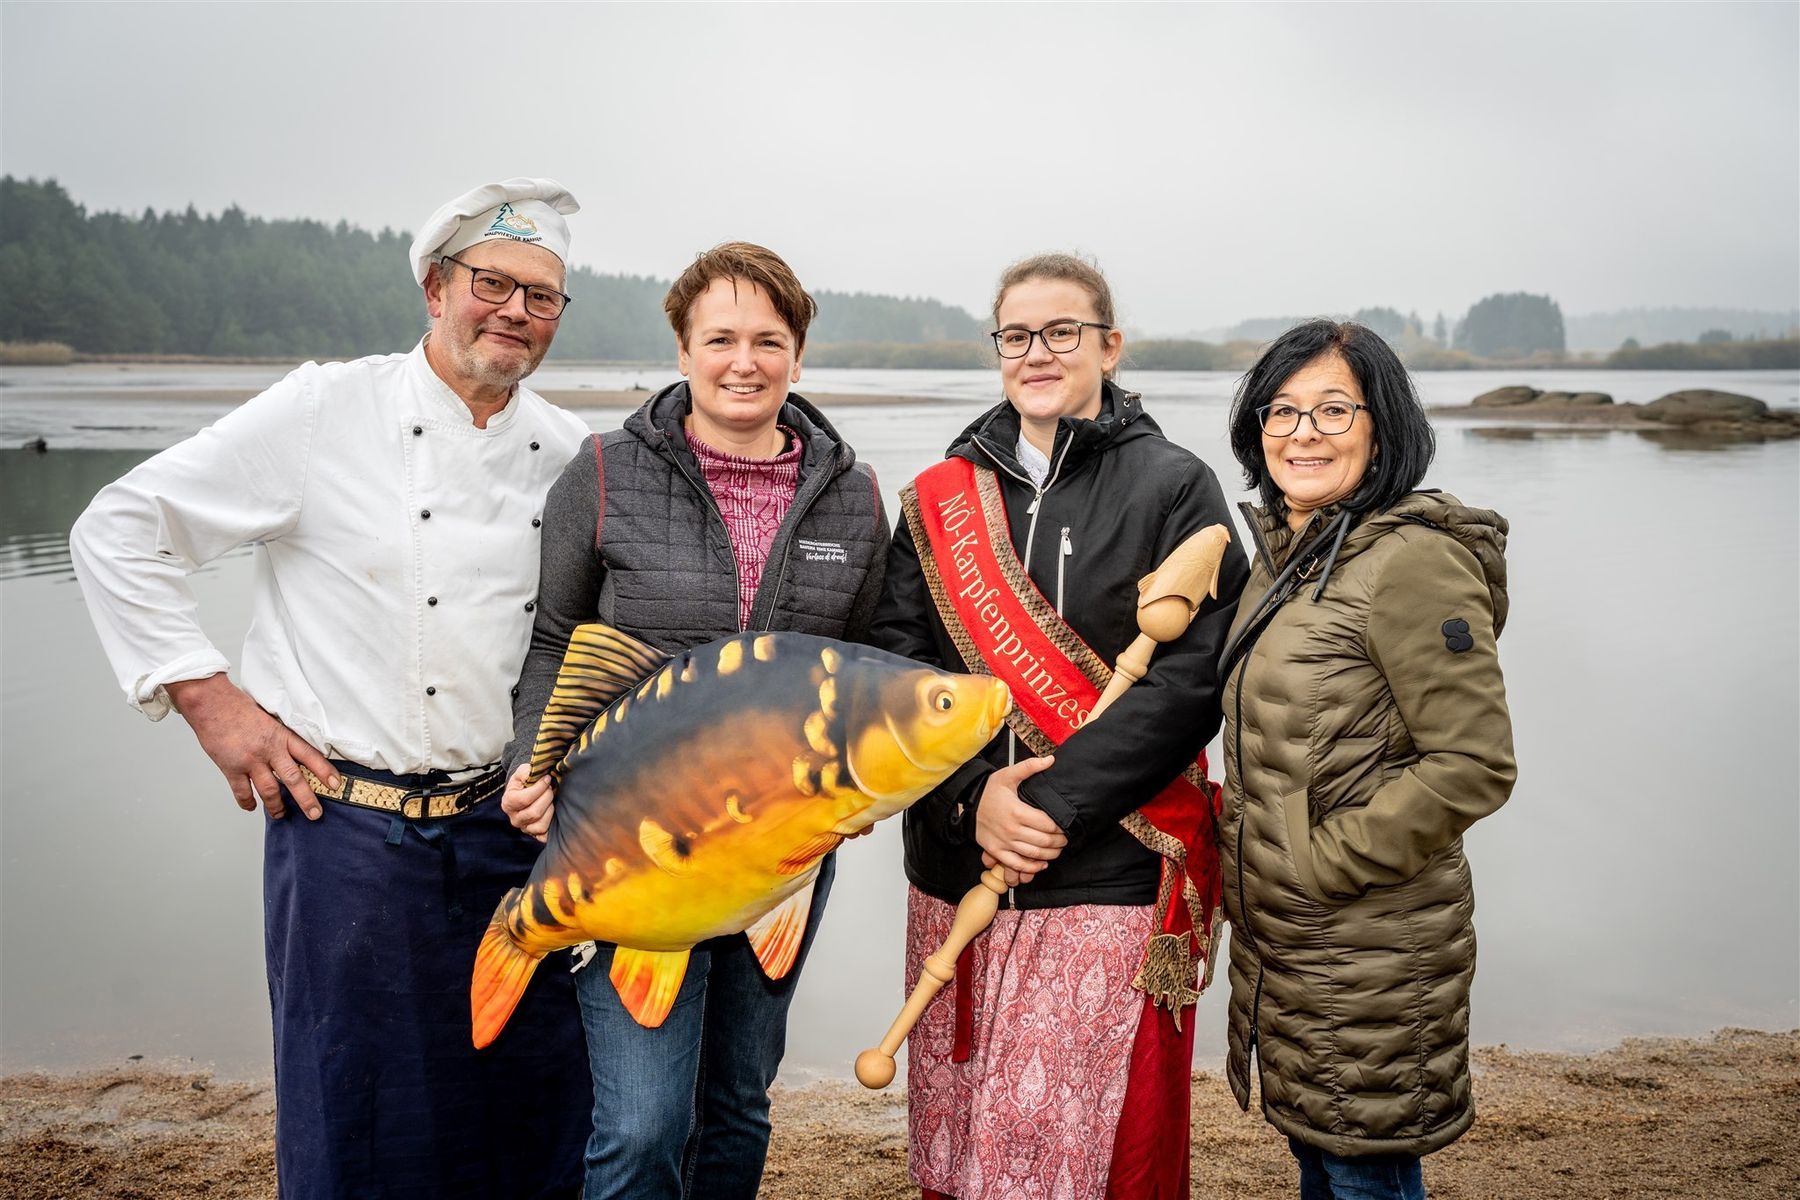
pixel 1168 598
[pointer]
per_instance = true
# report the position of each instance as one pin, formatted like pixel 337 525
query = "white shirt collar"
pixel 1035 461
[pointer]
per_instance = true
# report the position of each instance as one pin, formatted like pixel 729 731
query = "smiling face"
pixel 739 358
pixel 1311 469
pixel 481 347
pixel 1044 385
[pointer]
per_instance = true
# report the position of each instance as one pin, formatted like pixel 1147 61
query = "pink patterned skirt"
pixel 1033 1111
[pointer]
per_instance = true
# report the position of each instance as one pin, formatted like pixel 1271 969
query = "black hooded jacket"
pixel 1118 499
pixel 632 537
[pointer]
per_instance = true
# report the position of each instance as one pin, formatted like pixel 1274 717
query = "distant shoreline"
pixel 561 397
pixel 1430 365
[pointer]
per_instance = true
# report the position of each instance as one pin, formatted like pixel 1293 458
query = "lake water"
pixel 1643 879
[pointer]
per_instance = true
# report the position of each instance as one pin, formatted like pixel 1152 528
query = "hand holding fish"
pixel 253 750
pixel 1013 833
pixel 529 805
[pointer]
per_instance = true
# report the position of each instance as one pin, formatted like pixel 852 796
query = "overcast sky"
pixel 1222 162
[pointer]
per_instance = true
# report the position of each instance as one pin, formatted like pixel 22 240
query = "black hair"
pixel 1404 442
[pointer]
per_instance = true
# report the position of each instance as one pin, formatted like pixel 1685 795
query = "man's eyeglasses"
pixel 1060 338
pixel 1331 418
pixel 493 287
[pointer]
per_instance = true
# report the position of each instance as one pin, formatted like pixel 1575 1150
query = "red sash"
pixel 1003 626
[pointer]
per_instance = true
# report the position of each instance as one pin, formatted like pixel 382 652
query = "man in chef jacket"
pixel 394 506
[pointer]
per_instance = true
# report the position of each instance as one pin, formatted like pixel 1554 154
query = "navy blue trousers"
pixel 371 925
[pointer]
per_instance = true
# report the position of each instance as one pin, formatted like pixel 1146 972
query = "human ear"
pixel 1113 349
pixel 434 291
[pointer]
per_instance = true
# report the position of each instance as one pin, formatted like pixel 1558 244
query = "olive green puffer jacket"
pixel 1364 731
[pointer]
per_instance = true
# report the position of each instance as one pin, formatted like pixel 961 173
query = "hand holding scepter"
pixel 1168 598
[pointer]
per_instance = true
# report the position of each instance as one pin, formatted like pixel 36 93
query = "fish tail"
pixel 502 969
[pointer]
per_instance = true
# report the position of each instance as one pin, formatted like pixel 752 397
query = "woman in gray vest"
pixel 726 503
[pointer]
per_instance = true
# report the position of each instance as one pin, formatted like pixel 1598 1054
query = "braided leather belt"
pixel 415 804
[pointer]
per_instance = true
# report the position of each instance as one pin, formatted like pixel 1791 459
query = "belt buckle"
pixel 429 803
pixel 451 799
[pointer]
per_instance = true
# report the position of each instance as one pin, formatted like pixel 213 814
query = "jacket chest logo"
pixel 812 550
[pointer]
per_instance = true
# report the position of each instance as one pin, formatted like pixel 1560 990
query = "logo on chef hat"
pixel 508 223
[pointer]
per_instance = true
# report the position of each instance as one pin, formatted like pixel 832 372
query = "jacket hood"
pixel 657 423
pixel 994 435
pixel 1480 530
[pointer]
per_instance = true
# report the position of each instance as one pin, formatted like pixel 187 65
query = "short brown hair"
pixel 753 264
pixel 1059 266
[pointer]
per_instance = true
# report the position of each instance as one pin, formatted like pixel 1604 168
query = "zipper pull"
pixel 1031 509
pixel 1067 548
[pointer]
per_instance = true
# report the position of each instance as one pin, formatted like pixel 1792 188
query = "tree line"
pixel 233 285
pixel 236 286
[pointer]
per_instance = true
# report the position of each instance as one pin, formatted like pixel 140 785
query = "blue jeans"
pixel 683 1110
pixel 1325 1176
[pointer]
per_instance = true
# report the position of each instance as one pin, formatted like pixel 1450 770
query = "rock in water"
pixel 1698 405
pixel 1505 397
pixel 1574 399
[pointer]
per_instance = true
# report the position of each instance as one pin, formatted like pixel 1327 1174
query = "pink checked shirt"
pixel 753 495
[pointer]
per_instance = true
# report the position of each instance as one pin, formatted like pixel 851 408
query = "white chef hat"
pixel 519 209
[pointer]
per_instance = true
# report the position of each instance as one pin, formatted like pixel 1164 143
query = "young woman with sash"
pixel 1058 1061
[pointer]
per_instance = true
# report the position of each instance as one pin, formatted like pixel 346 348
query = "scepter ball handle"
pixel 1163 620
pixel 974 913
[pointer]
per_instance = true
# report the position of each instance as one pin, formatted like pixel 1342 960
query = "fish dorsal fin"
pixel 776 936
pixel 600 665
pixel 647 981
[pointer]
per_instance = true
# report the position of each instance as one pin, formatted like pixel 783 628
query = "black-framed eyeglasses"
pixel 1330 418
pixel 496 287
pixel 1059 337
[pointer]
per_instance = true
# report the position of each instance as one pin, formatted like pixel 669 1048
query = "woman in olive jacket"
pixel 1365 729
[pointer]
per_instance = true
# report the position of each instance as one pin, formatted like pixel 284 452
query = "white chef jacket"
pixel 396 559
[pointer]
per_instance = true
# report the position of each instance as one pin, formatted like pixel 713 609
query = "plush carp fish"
pixel 697 793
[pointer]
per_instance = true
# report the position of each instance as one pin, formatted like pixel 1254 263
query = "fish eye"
pixel 943 700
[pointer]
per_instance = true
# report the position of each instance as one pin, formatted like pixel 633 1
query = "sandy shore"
pixel 595 398
pixel 1714 1117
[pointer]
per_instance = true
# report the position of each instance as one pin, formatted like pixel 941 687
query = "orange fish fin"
pixel 809 853
pixel 647 981
pixel 600 665
pixel 502 969
pixel 776 937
